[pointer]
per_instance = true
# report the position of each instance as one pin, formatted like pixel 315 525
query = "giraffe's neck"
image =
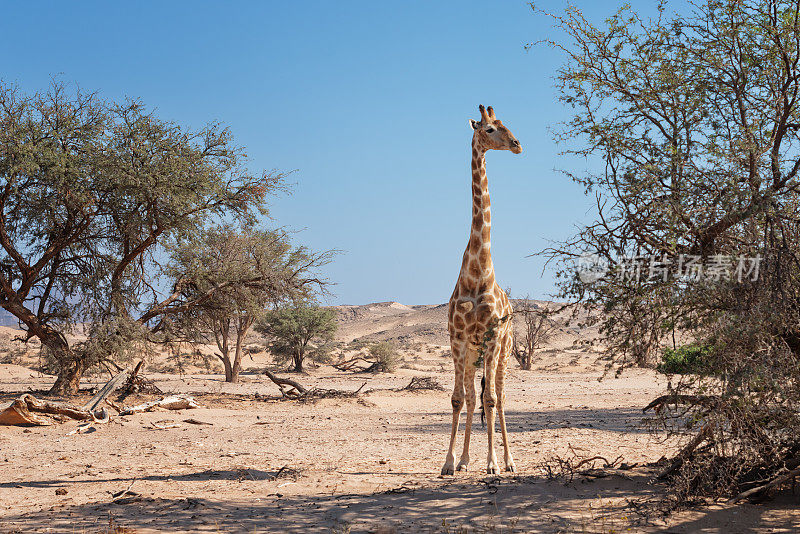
pixel 477 266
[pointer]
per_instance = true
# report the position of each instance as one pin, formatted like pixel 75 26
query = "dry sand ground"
pixel 366 464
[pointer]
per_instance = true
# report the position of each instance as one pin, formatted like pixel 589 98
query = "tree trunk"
pixel 228 368
pixel 243 325
pixel 222 331
pixel 237 364
pixel 523 358
pixel 69 376
pixel 298 362
pixel 71 368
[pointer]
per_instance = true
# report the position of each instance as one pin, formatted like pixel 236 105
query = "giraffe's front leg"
pixel 489 401
pixel 469 386
pixel 457 401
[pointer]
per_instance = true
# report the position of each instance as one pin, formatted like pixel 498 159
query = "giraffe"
pixel 479 313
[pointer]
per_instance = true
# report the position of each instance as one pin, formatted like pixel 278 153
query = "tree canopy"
pixel 691 124
pixel 91 193
pixel 241 272
pixel 299 330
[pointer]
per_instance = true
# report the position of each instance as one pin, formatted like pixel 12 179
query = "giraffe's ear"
pixel 475 124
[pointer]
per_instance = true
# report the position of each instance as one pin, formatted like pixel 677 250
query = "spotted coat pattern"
pixel 479 312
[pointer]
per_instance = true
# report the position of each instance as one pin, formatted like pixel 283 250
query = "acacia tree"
pixel 298 330
pixel 533 326
pixel 90 192
pixel 694 127
pixel 254 269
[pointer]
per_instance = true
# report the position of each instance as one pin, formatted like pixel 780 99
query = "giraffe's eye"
pixel 489 130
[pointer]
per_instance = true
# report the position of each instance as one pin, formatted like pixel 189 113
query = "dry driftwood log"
pixel 24 412
pixel 17 414
pixel 173 402
pixel 294 390
pixel 111 385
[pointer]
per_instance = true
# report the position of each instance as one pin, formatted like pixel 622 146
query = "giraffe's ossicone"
pixel 479 314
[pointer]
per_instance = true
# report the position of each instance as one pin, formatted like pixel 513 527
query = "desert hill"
pixel 418 331
pixel 427 323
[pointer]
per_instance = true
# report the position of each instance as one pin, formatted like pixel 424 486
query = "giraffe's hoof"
pixel 447 469
pixel 462 466
pixel 511 468
pixel 492 469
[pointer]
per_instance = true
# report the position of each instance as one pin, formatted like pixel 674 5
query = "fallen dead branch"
pixel 358 364
pixel 294 390
pixel 164 425
pixel 83 428
pixel 659 403
pixel 138 384
pixel 125 496
pixel 759 491
pixel 322 393
pixel 566 469
pixel 420 383
pixel 196 422
pixel 371 358
pixel 111 385
pixel 686 452
pixel 285 472
pixel 349 364
pixel 173 402
pixel 24 412
pixel 17 414
pixel 298 392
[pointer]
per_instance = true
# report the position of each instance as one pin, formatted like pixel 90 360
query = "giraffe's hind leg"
pixel 459 356
pixel 501 401
pixel 469 386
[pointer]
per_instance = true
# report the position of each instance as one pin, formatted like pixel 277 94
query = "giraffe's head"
pixel 491 133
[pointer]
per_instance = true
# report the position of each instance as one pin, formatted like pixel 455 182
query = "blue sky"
pixel 368 100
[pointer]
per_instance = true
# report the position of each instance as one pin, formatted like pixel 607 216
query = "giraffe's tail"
pixel 483 412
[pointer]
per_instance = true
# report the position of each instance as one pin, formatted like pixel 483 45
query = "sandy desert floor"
pixel 365 464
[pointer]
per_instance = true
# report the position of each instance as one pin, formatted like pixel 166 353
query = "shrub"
pixel 686 359
pixel 299 331
pixel 385 356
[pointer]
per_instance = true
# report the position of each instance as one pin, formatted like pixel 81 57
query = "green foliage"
pixel 92 193
pixel 689 124
pixel 251 268
pixel 299 331
pixel 489 336
pixel 686 359
pixel 232 275
pixel 385 356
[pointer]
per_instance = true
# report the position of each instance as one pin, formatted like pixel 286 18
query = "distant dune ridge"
pixel 427 323
pixel 418 331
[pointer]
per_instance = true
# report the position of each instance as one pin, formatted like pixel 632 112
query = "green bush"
pixel 686 359
pixel 385 356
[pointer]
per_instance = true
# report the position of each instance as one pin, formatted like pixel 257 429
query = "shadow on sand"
pixel 623 420
pixel 490 504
